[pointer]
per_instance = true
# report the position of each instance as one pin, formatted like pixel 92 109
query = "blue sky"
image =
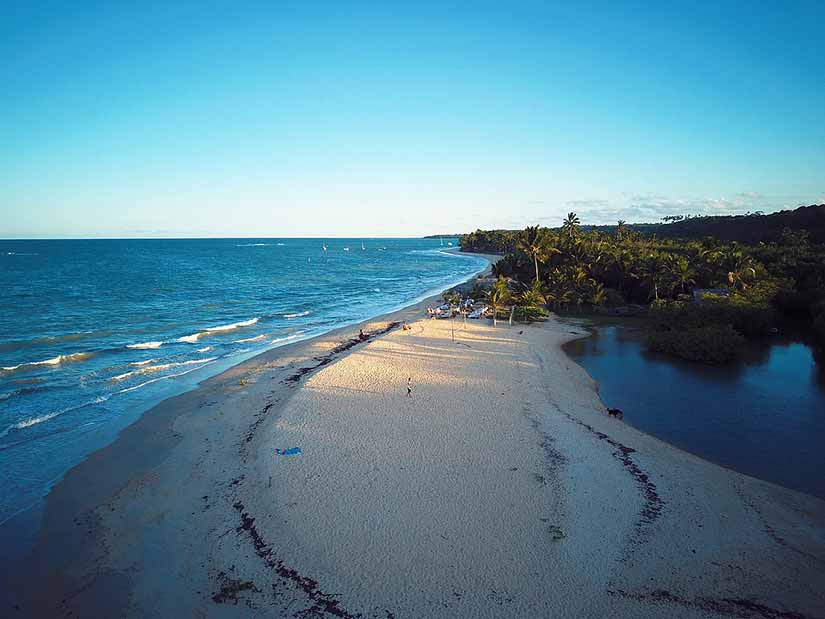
pixel 351 119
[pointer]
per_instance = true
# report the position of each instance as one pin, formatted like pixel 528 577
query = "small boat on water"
pixel 346 249
pixel 324 247
pixel 362 246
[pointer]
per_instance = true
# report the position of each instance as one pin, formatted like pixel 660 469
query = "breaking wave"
pixel 191 339
pixel 297 315
pixel 78 356
pixel 158 368
pixel 145 345
pixel 246 340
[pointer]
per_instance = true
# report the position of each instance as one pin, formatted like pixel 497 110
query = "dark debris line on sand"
pixel 322 604
pixel 654 504
pixel 736 607
pixel 342 347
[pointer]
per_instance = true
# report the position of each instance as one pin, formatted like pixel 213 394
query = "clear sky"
pixel 382 119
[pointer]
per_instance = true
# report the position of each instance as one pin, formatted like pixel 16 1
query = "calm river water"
pixel 764 416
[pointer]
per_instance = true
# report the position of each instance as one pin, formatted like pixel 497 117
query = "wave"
pixel 147 362
pixel 59 359
pixel 191 339
pixel 297 315
pixel 246 340
pixel 288 337
pixel 204 349
pixel 205 362
pixel 256 244
pixel 280 244
pixel 158 368
pixel 145 345
pixel 33 421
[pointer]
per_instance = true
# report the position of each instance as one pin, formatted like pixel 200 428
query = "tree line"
pixel 572 267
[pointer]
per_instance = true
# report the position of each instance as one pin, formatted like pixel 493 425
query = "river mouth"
pixel 763 415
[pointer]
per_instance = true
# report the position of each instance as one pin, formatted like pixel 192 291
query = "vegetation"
pixel 712 344
pixel 572 268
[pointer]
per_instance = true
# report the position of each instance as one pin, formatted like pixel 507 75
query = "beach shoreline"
pixel 523 457
pixel 28 523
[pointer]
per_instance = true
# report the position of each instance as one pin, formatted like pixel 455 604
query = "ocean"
pixel 94 332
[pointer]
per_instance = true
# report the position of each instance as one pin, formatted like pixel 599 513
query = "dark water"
pixel 764 416
pixel 92 332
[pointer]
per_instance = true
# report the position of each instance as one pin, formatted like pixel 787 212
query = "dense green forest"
pixel 751 228
pixel 757 285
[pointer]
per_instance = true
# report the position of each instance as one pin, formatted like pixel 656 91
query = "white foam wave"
pixel 204 363
pixel 33 421
pixel 158 368
pixel 246 340
pixel 280 244
pixel 288 337
pixel 297 315
pixel 145 345
pixel 256 244
pixel 78 356
pixel 204 349
pixel 139 363
pixel 191 339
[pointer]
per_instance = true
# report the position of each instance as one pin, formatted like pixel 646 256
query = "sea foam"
pixel 145 345
pixel 78 356
pixel 191 339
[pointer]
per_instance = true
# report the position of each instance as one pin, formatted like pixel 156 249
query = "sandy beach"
pixel 498 488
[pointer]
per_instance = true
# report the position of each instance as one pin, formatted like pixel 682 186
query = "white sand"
pixel 499 489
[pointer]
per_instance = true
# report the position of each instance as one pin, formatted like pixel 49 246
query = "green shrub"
pixel 747 316
pixel 530 313
pixel 710 344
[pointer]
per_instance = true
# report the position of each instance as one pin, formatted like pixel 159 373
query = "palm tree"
pixel 570 227
pixel 682 275
pixel 621 229
pixel 652 273
pixel 499 297
pixel 534 296
pixel 532 242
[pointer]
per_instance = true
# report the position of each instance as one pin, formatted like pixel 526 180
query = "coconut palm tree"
pixel 533 242
pixel 682 275
pixel 570 226
pixel 652 273
pixel 499 297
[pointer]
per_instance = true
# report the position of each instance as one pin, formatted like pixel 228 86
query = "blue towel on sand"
pixel 292 451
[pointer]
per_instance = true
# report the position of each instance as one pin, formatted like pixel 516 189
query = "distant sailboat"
pixel 324 247
pixel 442 241
pixel 362 246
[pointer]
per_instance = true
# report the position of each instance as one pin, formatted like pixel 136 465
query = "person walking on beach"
pixel 409 387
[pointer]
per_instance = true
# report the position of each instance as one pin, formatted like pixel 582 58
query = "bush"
pixel 530 313
pixel 747 316
pixel 711 344
pixel 614 298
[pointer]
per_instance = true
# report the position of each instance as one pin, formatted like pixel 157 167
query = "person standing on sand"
pixel 409 387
